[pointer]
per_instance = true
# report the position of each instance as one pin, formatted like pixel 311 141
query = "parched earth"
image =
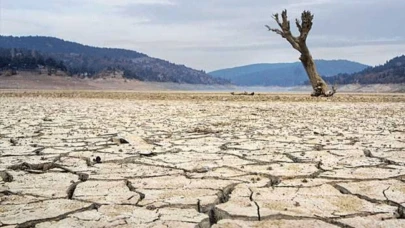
pixel 68 162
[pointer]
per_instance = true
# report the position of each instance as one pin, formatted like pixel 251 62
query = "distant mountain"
pixel 392 72
pixel 283 74
pixel 83 60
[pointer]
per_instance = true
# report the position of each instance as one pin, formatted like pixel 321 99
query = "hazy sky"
pixel 214 34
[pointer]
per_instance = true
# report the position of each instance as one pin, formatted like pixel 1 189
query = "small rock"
pixel 97 159
pixel 7 177
pixel 147 153
pixel 273 182
pixel 47 119
pixel 83 176
pixel 39 151
pixel 318 147
pixel 401 212
pixel 13 142
pixel 151 207
pixel 319 164
pixel 200 169
pixel 119 141
pixel 38 131
pixel 367 153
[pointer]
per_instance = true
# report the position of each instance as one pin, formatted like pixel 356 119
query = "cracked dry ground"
pixel 200 163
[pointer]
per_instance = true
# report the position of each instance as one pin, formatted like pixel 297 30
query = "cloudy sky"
pixel 214 34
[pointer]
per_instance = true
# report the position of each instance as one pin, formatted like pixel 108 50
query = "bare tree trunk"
pixel 318 84
pixel 299 43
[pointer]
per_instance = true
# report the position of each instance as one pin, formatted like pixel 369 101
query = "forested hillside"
pixel 82 60
pixel 14 59
pixel 392 72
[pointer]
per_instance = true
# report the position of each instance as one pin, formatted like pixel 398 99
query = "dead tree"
pixel 299 43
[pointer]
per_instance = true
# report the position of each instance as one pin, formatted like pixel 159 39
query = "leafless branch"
pixel 285 30
pixel 278 31
pixel 298 23
pixel 277 19
pixel 306 25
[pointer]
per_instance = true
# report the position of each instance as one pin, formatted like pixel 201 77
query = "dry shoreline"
pixel 203 96
pixel 185 160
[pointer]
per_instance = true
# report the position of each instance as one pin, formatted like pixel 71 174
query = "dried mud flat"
pixel 201 160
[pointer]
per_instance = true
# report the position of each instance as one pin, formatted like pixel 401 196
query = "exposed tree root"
pixel 44 167
pixel 41 167
pixel 243 94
